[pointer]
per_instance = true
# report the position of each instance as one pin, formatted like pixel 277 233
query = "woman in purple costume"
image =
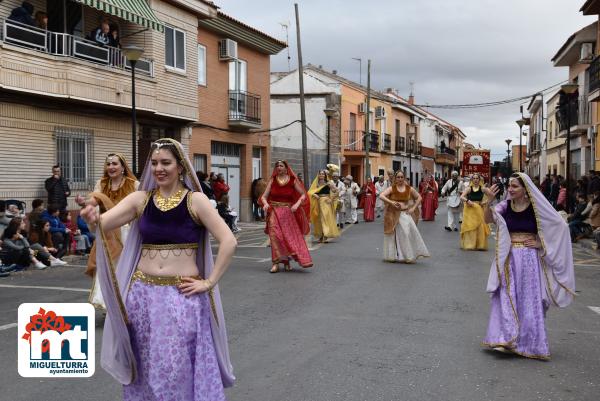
pixel 164 336
pixel 532 270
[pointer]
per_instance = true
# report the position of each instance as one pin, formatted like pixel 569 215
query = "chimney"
pixel 390 90
pixel 320 66
pixel 334 72
pixel 411 99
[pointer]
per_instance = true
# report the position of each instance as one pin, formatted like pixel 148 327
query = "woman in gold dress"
pixel 474 231
pixel 323 193
pixel 116 183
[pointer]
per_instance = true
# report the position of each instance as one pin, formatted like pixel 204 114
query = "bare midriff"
pixel 522 237
pixel 171 262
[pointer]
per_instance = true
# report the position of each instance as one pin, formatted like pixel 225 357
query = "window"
pixel 199 162
pixel 201 65
pixel 238 75
pixel 73 154
pixel 174 48
pixel 224 149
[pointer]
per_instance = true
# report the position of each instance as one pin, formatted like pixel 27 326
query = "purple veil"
pixel 117 356
pixel 558 274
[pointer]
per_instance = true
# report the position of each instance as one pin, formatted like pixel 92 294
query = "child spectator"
pixel 79 242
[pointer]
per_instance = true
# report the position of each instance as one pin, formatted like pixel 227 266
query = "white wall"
pixel 283 111
pixel 427 133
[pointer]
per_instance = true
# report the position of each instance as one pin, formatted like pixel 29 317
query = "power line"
pixel 488 104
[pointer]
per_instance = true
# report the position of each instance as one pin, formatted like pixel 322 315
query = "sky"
pixel 454 51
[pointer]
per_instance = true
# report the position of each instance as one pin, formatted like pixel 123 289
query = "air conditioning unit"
pixel 415 119
pixel 587 52
pixel 412 129
pixel 227 49
pixel 379 112
pixel 362 108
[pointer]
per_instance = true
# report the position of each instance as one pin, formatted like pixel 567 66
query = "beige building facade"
pixel 66 100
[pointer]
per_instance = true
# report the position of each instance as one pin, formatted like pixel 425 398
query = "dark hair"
pixel 55 166
pixel 52 209
pixel 15 223
pixel 37 203
pixel 201 175
pixel 9 232
pixel 63 216
pixel 518 177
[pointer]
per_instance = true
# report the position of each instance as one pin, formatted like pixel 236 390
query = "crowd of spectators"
pixel 42 237
pixel 217 190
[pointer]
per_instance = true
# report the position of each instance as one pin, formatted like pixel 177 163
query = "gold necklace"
pixel 165 204
pixel 283 181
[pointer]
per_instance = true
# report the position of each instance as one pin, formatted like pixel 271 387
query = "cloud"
pixel 460 51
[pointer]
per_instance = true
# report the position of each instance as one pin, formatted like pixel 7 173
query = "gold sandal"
pixel 274 269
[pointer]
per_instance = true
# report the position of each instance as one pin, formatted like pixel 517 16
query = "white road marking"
pixel 46 288
pixel 8 326
pixel 595 309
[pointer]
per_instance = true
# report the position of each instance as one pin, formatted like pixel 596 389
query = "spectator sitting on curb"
pixel 79 242
pixel 4 219
pixel 36 214
pixel 41 241
pixel 85 230
pixel 16 249
pixel 60 233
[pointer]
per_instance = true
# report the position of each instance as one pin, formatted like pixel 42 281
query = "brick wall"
pixel 213 104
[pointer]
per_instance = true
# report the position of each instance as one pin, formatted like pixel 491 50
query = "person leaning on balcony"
pixel 23 14
pixel 115 36
pixel 41 20
pixel 58 189
pixel 101 35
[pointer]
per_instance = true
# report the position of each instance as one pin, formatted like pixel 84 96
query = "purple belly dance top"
pixel 520 222
pixel 177 226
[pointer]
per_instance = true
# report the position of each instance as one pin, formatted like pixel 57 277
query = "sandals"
pixel 274 268
pixel 287 267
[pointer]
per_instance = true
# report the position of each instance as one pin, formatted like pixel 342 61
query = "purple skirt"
pixel 518 309
pixel 173 345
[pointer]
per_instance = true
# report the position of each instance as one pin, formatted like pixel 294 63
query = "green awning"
pixel 136 11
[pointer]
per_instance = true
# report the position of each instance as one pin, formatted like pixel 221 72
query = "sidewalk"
pixel 586 243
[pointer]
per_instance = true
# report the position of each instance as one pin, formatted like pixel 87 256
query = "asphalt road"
pixel 353 328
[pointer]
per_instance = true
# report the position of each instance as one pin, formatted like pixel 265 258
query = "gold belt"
pixel 168 247
pixel 159 280
pixel 280 204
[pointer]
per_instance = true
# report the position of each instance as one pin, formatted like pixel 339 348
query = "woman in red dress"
pixel 369 194
pixel 429 193
pixel 287 206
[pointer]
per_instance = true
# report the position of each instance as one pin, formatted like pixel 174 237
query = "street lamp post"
pixel 508 141
pixel 133 54
pixel 569 90
pixel 520 123
pixel 330 113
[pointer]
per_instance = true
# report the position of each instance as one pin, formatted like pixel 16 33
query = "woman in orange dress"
pixel 287 206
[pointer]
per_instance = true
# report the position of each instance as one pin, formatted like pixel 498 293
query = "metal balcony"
pixel 244 109
pixel 387 143
pixel 68 46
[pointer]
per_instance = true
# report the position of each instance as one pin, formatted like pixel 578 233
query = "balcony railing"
pixel 387 143
pixel 578 114
pixel 446 150
pixel 353 140
pixel 594 71
pixel 244 108
pixel 65 45
pixel 400 144
pixel 374 142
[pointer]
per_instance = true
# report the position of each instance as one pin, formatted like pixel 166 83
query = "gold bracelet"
pixel 210 284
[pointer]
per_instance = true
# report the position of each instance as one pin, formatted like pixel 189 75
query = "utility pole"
pixel 367 140
pixel 302 108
